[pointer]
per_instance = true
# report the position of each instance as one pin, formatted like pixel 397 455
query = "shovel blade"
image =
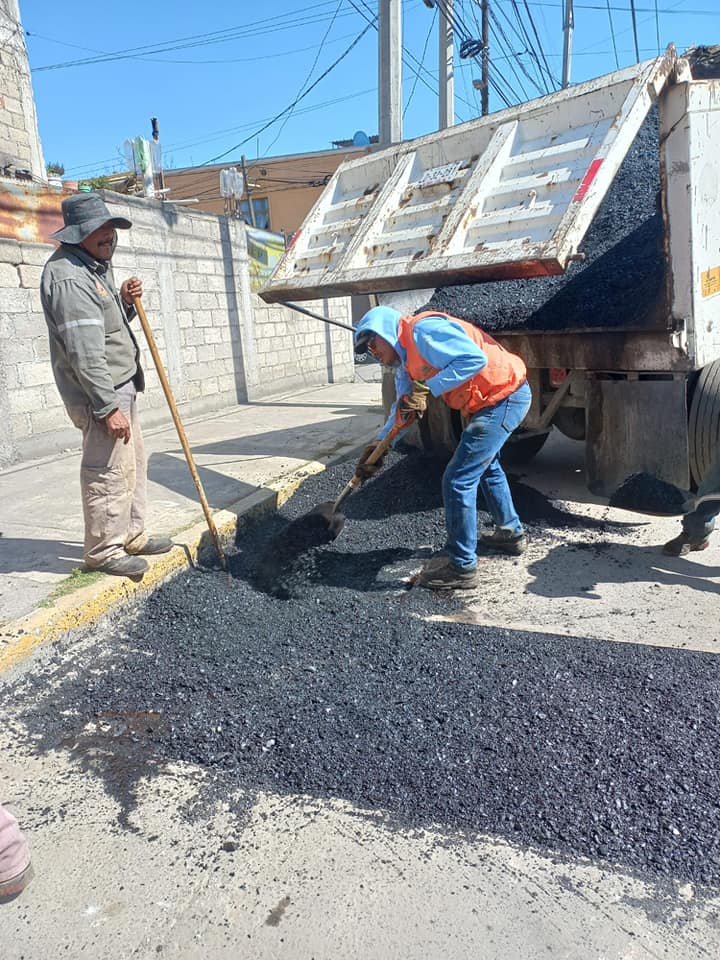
pixel 334 520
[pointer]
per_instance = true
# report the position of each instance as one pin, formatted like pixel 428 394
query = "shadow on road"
pixel 577 569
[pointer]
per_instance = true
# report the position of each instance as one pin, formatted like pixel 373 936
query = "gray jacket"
pixel 92 349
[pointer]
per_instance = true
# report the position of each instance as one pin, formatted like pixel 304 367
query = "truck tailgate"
pixel 506 196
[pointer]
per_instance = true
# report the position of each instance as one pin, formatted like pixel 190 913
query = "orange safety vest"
pixel 502 375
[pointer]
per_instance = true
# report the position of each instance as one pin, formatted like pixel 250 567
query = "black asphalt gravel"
pixel 644 492
pixel 621 283
pixel 346 690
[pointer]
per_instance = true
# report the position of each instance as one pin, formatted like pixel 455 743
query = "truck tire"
pixel 704 422
pixel 570 421
pixel 520 449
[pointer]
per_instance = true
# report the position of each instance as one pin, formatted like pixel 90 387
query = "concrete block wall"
pixel 220 343
pixel 19 139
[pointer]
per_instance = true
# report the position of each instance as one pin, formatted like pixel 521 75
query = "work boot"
pixel 682 544
pixel 149 547
pixel 446 576
pixel 503 541
pixel 132 567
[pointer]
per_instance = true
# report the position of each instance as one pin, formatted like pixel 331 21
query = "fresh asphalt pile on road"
pixel 645 492
pixel 620 282
pixel 348 690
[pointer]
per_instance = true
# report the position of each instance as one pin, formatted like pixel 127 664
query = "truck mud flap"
pixel 636 426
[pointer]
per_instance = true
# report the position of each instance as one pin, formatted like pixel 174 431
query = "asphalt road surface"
pixel 318 692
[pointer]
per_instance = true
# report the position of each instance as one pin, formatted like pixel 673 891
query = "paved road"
pixel 141 853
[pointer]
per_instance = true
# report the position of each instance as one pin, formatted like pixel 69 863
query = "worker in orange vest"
pixel 472 373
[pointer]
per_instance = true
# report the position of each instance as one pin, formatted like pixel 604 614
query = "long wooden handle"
pixel 179 427
pixel 378 453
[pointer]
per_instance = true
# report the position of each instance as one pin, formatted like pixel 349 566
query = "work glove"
pixel 365 470
pixel 411 406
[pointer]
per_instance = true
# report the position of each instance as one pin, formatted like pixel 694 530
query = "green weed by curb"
pixel 77 579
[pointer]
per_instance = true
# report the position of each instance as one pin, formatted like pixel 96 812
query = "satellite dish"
pixel 360 139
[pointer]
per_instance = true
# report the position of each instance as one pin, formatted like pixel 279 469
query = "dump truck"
pixel 582 230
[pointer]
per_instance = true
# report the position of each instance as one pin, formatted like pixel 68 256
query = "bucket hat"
pixel 83 213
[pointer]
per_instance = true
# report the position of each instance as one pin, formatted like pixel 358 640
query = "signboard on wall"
pixel 264 250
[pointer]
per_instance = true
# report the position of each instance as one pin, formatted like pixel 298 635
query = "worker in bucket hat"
pixel 96 363
pixel 472 373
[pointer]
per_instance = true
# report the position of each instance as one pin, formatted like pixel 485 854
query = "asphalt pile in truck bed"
pixel 348 689
pixel 621 283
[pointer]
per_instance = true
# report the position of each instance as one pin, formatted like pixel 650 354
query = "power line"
pixel 221 134
pixel 513 56
pixel 295 101
pixel 553 80
pixel 422 62
pixel 309 74
pixel 525 39
pixel 268 56
pixel 634 27
pixel 612 34
pixel 248 30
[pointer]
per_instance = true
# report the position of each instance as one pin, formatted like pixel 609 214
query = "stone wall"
pixel 221 345
pixel 19 140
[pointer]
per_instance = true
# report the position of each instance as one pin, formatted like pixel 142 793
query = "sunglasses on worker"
pixel 367 341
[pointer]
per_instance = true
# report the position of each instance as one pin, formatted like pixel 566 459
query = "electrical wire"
pixel 312 86
pixel 514 55
pixel 310 73
pixel 514 58
pixel 222 134
pixel 612 34
pixel 634 27
pixel 406 55
pixel 529 50
pixel 554 81
pixel 268 56
pixel 422 63
pixel 239 31
pixel 463 32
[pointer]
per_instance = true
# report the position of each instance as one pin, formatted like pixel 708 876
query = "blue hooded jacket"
pixel 441 341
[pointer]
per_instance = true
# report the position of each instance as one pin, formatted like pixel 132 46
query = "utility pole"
pixel 446 78
pixel 389 72
pixel 248 191
pixel 568 26
pixel 485 92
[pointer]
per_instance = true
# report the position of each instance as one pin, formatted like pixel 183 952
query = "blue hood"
pixel 383 321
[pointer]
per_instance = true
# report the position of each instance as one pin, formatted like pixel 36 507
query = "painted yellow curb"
pixel 87 604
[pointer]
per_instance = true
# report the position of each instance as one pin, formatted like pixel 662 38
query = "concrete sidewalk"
pixel 245 457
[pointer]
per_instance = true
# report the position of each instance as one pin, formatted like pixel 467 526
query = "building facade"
pixel 282 189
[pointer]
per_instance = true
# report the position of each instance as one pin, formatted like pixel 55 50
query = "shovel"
pixel 329 510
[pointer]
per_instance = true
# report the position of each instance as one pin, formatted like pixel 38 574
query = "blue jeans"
pixel 476 463
pixel 698 525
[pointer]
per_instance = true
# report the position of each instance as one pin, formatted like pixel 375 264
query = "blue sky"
pixel 237 64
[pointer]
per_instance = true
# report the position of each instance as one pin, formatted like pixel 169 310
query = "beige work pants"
pixel 112 483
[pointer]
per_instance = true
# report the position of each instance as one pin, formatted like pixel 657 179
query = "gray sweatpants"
pixel 112 483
